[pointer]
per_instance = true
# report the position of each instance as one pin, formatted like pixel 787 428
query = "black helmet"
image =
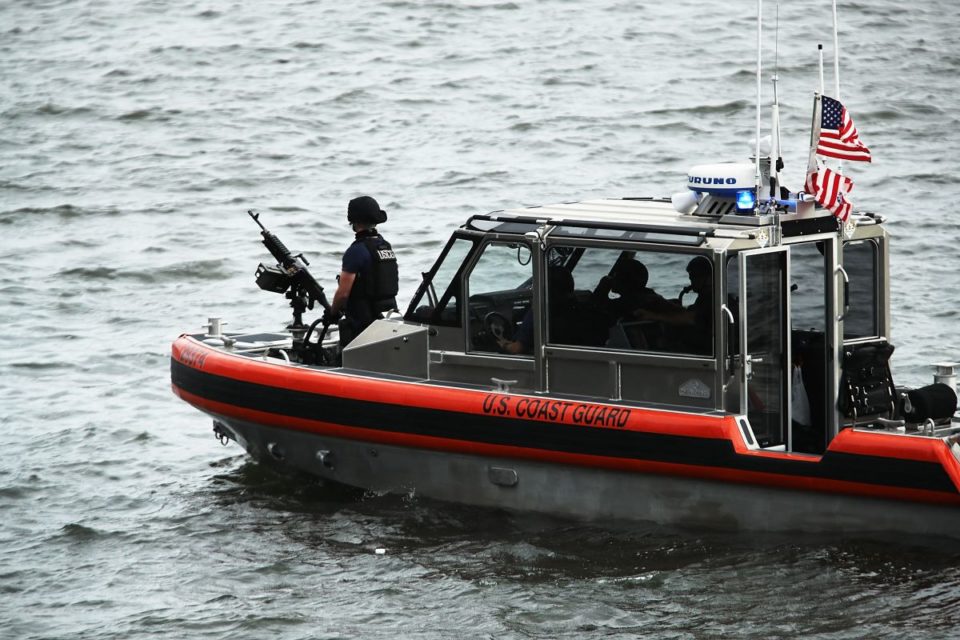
pixel 365 210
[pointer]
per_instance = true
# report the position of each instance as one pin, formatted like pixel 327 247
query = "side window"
pixel 625 299
pixel 438 301
pixel 808 307
pixel 573 274
pixel 860 262
pixel 501 294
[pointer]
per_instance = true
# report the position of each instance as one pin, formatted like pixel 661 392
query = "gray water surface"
pixel 136 134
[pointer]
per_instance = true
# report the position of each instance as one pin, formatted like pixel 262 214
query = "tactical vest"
pixel 380 285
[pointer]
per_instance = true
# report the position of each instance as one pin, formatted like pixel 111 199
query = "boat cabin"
pixel 631 301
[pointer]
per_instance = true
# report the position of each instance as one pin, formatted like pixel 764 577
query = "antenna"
pixel 759 95
pixel 836 68
pixel 820 53
pixel 776 40
pixel 776 162
pixel 836 55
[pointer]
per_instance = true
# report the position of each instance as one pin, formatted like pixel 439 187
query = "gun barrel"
pixel 256 218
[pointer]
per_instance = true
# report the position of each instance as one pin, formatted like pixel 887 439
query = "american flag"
pixel 838 137
pixel 830 189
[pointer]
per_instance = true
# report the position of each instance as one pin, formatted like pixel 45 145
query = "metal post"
pixel 946 374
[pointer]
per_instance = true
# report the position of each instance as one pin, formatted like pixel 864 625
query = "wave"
pixel 65 211
pixel 15 493
pixel 156 114
pixel 727 108
pixel 353 95
pixel 308 45
pixel 195 270
pixel 457 178
pixel 568 81
pixel 45 365
pixel 448 6
pixel 79 533
pixel 46 109
pixel 930 178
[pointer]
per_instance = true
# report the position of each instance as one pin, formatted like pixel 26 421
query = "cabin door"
pixel 765 344
pixel 813 340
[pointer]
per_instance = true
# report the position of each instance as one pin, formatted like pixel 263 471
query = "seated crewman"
pixel 695 322
pixel 561 305
pixel 628 279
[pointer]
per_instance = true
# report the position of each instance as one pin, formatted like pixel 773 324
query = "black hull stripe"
pixel 532 434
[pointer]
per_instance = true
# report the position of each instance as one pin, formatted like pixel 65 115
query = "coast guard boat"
pixel 765 403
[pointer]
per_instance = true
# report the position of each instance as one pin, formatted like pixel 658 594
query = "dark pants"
pixel 350 328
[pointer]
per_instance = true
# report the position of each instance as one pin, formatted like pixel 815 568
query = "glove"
pixel 331 317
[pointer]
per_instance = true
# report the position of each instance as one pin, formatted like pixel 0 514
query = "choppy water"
pixel 135 135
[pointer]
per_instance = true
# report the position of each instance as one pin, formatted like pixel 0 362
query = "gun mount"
pixel 292 278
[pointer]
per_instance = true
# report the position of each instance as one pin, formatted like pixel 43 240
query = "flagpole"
pixel 814 136
pixel 759 97
pixel 815 122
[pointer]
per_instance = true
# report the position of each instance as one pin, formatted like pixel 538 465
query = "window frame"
pixel 469 265
pixel 620 245
pixel 878 255
pixel 444 299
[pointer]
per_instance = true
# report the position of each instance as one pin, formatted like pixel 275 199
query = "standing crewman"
pixel 368 281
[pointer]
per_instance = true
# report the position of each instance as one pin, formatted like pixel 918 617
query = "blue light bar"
pixel 745 200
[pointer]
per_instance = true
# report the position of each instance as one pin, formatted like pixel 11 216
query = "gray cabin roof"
pixel 659 215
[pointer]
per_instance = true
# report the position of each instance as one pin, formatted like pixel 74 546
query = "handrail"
pixel 607 226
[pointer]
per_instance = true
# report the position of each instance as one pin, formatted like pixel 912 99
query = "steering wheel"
pixel 495 324
pixel 479 302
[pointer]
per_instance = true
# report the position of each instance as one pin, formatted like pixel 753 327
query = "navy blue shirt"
pixel 525 332
pixel 356 258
